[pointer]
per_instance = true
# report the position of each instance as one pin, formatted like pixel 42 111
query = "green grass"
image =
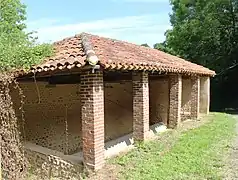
pixel 194 154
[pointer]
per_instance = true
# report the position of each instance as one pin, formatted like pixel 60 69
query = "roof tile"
pixel 115 54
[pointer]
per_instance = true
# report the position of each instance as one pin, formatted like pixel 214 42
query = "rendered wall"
pixel 204 95
pixel 186 98
pixel 118 109
pixel 159 100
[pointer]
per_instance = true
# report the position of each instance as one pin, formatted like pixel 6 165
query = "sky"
pixel 136 21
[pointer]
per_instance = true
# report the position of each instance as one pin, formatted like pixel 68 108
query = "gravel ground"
pixel 232 162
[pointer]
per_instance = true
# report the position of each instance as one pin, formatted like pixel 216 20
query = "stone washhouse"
pixel 97 95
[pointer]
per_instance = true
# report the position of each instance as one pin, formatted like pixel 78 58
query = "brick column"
pixel 92 104
pixel 195 95
pixel 175 99
pixel 140 105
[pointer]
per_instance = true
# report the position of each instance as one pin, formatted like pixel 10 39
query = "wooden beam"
pixel 117 76
pixel 60 79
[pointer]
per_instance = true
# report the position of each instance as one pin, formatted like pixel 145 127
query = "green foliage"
pixel 145 44
pixel 164 47
pixel 206 32
pixel 18 50
pixel 197 154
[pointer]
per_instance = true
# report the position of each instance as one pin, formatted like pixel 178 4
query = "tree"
pixel 164 47
pixel 206 32
pixel 17 48
pixel 145 45
pixel 17 51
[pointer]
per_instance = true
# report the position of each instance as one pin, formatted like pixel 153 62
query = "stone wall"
pixel 159 100
pixel 46 166
pixel 53 112
pixel 59 111
pixel 52 117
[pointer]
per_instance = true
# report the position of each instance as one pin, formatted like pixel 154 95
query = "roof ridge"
pixel 91 56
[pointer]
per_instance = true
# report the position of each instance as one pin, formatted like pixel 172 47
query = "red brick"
pixel 175 99
pixel 195 95
pixel 140 105
pixel 93 119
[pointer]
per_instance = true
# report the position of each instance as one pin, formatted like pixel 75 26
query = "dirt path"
pixel 232 164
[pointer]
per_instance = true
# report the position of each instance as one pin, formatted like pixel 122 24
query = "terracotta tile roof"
pixel 114 54
pixel 68 53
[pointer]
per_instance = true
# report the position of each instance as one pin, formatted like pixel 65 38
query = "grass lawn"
pixel 194 154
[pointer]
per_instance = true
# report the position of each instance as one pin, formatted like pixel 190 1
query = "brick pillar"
pixel 92 104
pixel 175 99
pixel 140 105
pixel 195 95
